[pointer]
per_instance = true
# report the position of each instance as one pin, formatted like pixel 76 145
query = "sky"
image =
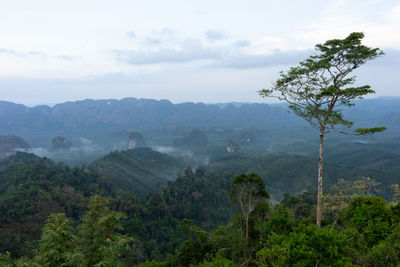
pixel 181 50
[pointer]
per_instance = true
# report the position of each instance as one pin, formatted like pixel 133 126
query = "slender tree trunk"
pixel 320 165
pixel 247 230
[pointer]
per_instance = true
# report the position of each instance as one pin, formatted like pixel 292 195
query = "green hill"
pixel 141 170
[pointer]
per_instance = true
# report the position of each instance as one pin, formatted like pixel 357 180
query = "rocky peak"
pixel 60 142
pixel 135 140
pixel 232 147
pixel 9 144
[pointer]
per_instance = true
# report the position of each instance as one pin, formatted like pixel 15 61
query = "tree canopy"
pixel 320 86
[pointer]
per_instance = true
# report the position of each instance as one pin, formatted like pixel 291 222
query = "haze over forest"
pixel 204 133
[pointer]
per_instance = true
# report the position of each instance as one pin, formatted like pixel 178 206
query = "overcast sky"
pixel 199 51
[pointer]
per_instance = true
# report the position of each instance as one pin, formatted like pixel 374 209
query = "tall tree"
pixel 321 86
pixel 247 191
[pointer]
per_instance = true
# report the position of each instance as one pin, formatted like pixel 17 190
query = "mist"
pixel 81 153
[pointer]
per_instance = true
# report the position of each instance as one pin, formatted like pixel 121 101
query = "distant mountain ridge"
pixel 101 116
pixel 136 112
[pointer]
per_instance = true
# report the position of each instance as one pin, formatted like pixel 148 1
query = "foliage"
pixel 95 242
pixel 301 205
pixel 31 189
pixel 227 241
pixel 57 244
pixel 217 261
pixel 98 239
pixel 396 190
pixel 210 233
pixel 306 246
pixel 339 196
pixel 371 217
pixel 367 186
pixel 280 222
pixel 6 260
pixel 200 196
pixel 386 252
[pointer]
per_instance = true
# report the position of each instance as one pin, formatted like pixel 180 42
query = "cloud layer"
pixel 20 53
pixel 230 55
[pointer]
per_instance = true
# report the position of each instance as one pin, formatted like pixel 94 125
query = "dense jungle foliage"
pixel 56 215
pixel 32 188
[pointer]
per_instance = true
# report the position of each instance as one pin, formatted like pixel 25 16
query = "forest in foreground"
pixel 56 215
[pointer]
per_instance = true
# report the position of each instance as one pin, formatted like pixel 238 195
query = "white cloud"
pixel 213 35
pixel 242 43
pixel 190 50
pixel 21 53
pixel 277 58
pixel 131 34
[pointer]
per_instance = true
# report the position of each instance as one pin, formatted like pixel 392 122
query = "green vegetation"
pixel 363 234
pixel 94 242
pixel 32 188
pixel 205 217
pixel 139 171
pixel 200 219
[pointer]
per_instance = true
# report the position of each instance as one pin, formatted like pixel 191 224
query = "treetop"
pixel 320 86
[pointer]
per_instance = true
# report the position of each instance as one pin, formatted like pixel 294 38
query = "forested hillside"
pixel 32 188
pixel 139 170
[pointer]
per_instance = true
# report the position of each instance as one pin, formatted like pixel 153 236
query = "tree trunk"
pixel 320 165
